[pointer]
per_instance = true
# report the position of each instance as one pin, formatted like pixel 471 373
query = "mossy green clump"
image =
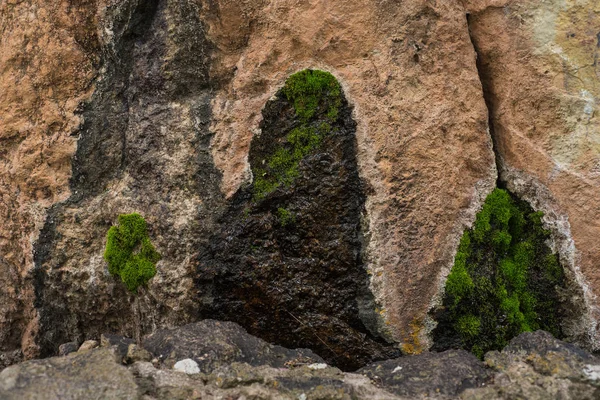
pixel 286 217
pixel 310 90
pixel 504 279
pixel 316 97
pixel 129 252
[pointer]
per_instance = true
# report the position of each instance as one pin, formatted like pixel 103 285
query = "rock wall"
pixel 111 107
pixel 539 68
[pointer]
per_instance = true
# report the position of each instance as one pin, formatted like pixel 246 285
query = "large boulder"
pixel 212 344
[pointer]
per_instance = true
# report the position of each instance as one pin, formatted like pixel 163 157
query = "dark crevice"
pixel 484 75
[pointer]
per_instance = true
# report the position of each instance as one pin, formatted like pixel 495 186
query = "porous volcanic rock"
pixel 111 107
pixel 538 63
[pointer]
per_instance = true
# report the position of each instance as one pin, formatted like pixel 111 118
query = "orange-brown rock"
pixel 48 51
pixel 110 107
pixel 540 68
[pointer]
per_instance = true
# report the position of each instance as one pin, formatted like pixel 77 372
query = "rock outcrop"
pixel 151 106
pixel 237 365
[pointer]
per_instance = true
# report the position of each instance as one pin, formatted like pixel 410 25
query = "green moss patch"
pixel 129 252
pixel 505 280
pixel 316 97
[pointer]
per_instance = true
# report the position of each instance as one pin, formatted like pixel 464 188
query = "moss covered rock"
pixel 129 252
pixel 505 280
pixel 287 263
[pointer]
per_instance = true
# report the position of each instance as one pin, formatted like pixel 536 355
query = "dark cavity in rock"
pixel 505 280
pixel 287 263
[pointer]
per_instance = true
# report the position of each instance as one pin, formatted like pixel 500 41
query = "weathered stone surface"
pixel 143 141
pixel 288 260
pixel 538 366
pixel 67 348
pixel 48 57
pixel 215 343
pixel 408 69
pixel 111 107
pixel 443 374
pixel 143 147
pixel 539 66
pixel 88 375
pixel 533 366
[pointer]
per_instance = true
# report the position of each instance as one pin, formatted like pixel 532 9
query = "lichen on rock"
pixel 505 279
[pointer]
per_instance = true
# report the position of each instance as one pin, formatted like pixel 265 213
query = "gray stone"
pixel 68 348
pixel 213 343
pixel 429 374
pixel 91 374
pixel 537 366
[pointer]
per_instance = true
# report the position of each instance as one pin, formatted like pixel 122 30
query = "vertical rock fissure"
pixel 484 80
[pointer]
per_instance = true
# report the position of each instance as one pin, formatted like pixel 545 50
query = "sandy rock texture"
pixel 150 106
pixel 48 57
pixel 541 75
pixel 409 71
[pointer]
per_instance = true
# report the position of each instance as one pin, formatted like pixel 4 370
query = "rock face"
pixel 533 366
pixel 541 77
pixel 287 263
pixel 143 148
pixel 112 107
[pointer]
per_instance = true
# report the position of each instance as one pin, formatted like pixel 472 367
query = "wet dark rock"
pixel 287 262
pixel 429 374
pixel 214 343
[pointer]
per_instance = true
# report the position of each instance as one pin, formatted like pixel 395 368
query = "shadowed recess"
pixel 287 263
pixel 505 280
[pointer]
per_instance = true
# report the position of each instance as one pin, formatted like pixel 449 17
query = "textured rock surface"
pixel 539 67
pixel 538 366
pixel 48 57
pixel 110 107
pixel 287 263
pixel 533 366
pixel 214 343
pixel 443 374
pixel 423 150
pixel 94 373
pixel 143 148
